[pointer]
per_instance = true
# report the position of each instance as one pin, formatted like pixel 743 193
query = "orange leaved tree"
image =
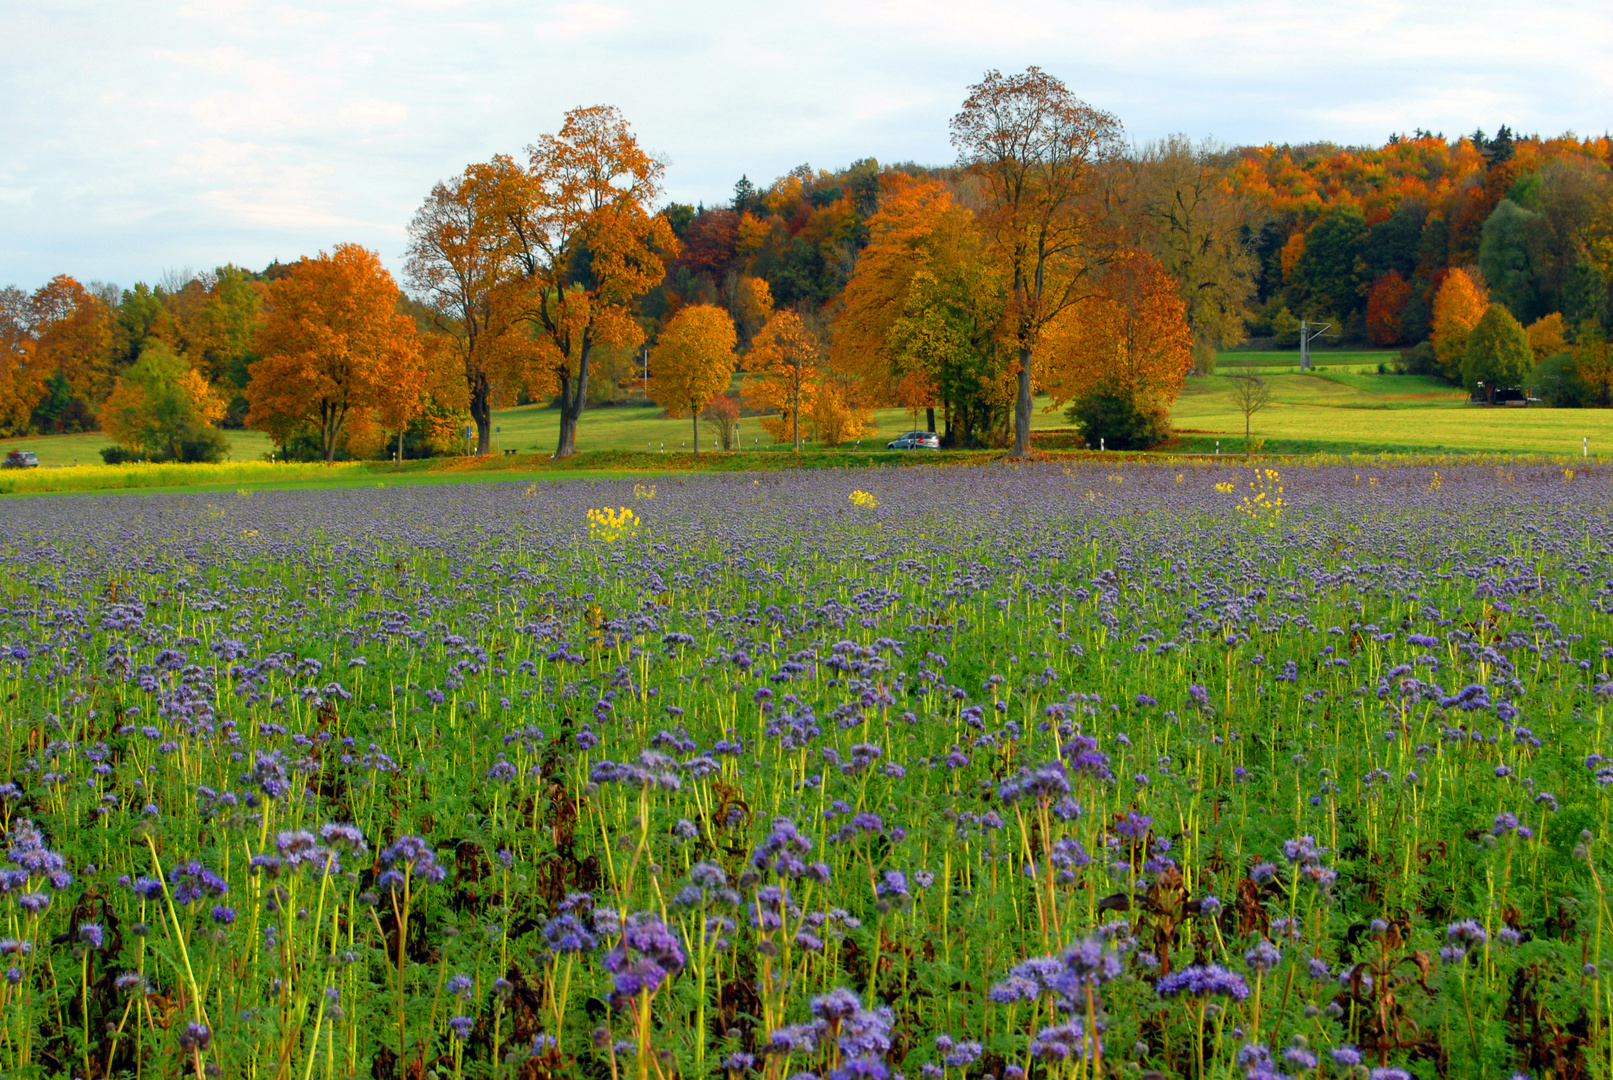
pixel 1546 336
pixel 1458 306
pixel 1386 306
pixel 1035 150
pixel 73 329
pixel 783 365
pixel 693 361
pixel 461 266
pixel 22 381
pixel 333 345
pixel 588 245
pixel 917 226
pixel 1131 337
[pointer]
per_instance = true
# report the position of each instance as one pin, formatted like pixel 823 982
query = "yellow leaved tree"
pixel 783 365
pixel 1458 306
pixel 693 361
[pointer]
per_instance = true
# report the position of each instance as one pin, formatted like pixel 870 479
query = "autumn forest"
pixel 1052 264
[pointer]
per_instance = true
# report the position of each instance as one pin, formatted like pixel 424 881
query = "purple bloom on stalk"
pixel 566 933
pixel 342 835
pixel 192 882
pixel 793 1039
pixel 861 1068
pixel 412 856
pixel 1059 1042
pixel 461 1027
pixel 1203 980
pixel 893 887
pixel 91 934
pixel 1263 957
pixel 836 1005
pixel 1013 989
pixel 648 955
pixel 1089 963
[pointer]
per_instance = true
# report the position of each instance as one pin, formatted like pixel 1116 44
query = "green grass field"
pixel 1273 361
pixel 1342 407
pixel 57 451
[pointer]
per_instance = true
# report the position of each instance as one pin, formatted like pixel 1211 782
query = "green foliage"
pixel 1498 354
pixel 154 408
pixel 1325 278
pixel 306 445
pixel 59 412
pixel 1526 191
pixel 948 332
pixel 679 215
pixel 1285 329
pixel 1585 294
pixel 119 455
pixel 1392 243
pixel 204 445
pixel 1556 382
pixel 1114 418
pixel 1506 260
pixel 1420 360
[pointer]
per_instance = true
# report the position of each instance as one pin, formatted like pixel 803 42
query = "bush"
pixel 1113 418
pixel 118 455
pixel 1555 381
pixel 304 445
pixel 722 417
pixel 204 445
pixel 1419 360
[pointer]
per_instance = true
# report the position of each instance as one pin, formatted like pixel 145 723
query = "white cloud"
pixel 242 131
pixel 581 20
pixel 373 113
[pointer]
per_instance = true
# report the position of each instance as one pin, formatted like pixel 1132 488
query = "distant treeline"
pixel 1487 260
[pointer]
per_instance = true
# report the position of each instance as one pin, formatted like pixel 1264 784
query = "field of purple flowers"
pixel 936 774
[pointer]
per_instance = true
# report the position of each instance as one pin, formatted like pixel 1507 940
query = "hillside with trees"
pixel 1051 257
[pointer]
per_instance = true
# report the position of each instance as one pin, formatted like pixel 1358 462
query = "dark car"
pixel 21 459
pixel 915 440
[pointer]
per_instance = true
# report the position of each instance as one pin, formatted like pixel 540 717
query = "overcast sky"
pixel 138 137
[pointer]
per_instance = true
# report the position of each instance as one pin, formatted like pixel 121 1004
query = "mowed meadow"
pixel 1342 407
pixel 1019 772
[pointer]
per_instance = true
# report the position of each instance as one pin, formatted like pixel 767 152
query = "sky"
pixel 138 140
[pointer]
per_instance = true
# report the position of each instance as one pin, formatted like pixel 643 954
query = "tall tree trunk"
pixel 695 414
pixel 400 446
pixel 795 416
pixel 1022 407
pixel 481 411
pixel 571 407
pixel 330 430
pixel 929 418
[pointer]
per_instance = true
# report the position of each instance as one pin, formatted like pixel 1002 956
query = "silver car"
pixel 915 440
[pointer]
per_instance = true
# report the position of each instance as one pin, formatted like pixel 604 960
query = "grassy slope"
pixel 1343 407
pixel 1367 413
pixel 85 448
